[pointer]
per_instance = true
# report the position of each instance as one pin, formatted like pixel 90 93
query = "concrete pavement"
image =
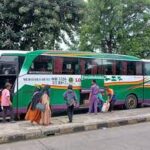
pixel 129 137
pixel 24 130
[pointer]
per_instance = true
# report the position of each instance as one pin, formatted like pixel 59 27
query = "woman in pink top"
pixel 6 103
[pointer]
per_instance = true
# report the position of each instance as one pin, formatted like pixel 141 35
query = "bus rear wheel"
pixel 131 102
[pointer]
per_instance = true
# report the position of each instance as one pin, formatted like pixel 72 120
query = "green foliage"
pixel 120 26
pixel 38 24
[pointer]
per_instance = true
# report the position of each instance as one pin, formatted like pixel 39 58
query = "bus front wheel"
pixel 131 102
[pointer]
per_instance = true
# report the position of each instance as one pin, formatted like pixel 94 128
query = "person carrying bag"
pixel 111 98
pixel 100 101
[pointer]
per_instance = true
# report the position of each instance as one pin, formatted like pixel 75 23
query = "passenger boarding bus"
pixel 129 76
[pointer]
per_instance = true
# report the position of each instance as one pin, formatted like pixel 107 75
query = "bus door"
pixel 147 82
pixel 86 81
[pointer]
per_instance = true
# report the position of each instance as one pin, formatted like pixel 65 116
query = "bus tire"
pixel 131 102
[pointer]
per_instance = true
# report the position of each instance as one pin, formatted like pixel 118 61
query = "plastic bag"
pixel 105 107
pixel 72 102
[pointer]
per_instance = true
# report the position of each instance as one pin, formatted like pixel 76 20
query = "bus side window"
pixel 147 68
pixel 124 68
pixel 88 66
pixel 131 68
pixel 108 67
pixel 82 63
pixel 118 67
pixel 70 66
pixel 139 68
pixel 41 65
pixel 121 68
pixel 58 65
pixel 100 66
pixel 67 69
pixel 8 65
pixel 94 68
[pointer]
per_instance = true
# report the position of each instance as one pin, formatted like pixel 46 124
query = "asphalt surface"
pixel 130 137
pixel 24 130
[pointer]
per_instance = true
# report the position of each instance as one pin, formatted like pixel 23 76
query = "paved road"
pixel 131 137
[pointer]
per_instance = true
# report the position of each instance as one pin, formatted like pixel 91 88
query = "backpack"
pixel 70 97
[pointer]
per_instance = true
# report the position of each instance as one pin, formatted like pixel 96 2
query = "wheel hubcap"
pixel 131 102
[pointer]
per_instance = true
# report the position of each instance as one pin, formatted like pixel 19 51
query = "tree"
pixel 120 26
pixel 137 20
pixel 38 24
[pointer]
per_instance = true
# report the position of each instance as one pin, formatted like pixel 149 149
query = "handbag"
pixel 40 107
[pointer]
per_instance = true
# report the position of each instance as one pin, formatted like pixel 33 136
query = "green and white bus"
pixel 127 75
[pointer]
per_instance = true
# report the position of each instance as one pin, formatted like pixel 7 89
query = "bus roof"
pixel 81 54
pixel 13 52
pixel 146 60
pixel 78 54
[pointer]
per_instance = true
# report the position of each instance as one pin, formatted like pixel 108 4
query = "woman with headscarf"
pixel 111 97
pixel 33 114
pixel 45 100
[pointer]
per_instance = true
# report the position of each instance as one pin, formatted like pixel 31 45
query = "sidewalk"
pixel 24 130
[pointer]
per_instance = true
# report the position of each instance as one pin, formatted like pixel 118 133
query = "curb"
pixel 72 128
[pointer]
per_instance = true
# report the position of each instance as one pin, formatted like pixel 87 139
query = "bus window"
pixel 118 68
pixel 42 64
pixel 70 66
pixel 131 68
pixel 88 66
pixel 114 67
pixel 82 63
pixel 94 68
pixel 121 68
pixel 8 69
pixel 147 68
pixel 108 67
pixel 58 65
pixel 99 66
pixel 139 68
pixel 8 65
pixel 124 68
